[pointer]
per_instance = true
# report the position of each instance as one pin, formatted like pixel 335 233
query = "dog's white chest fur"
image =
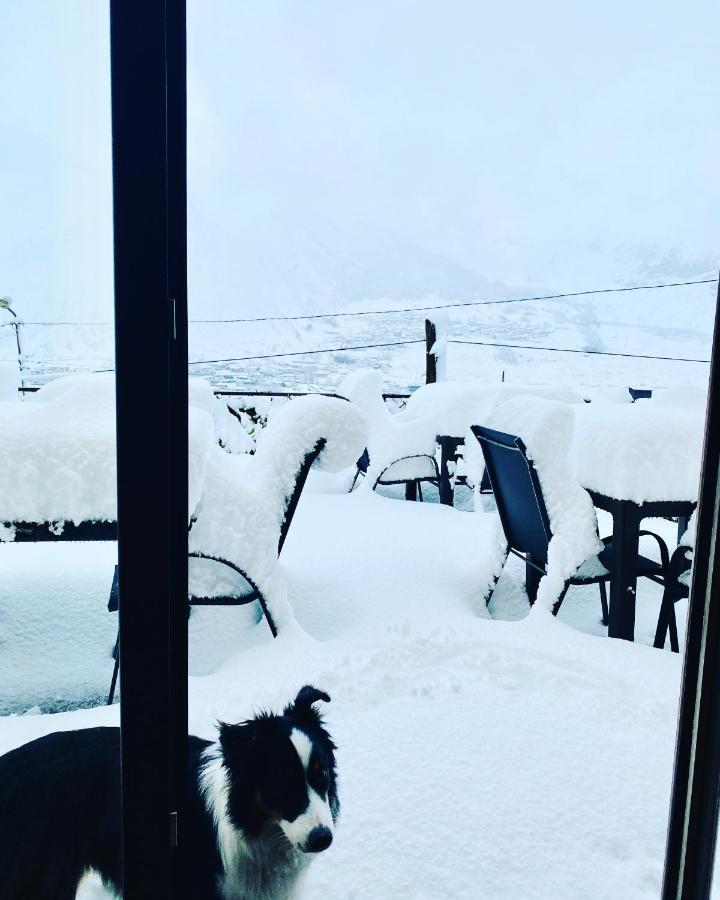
pixel 266 869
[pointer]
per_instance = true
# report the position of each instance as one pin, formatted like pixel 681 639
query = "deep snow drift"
pixel 478 757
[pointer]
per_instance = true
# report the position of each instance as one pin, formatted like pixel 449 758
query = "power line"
pixel 572 350
pixel 202 362
pixel 385 312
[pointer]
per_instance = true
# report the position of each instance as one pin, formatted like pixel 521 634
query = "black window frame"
pixel 148 84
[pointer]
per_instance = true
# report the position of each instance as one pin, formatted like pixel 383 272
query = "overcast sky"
pixel 341 150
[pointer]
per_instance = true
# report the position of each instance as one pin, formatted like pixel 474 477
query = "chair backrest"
pixel 291 502
pixel 517 492
pixel 640 394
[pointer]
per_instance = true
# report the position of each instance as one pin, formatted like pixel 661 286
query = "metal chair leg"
pixel 672 622
pixel 419 492
pixel 604 603
pixel 667 611
pixel 488 596
pixel 558 603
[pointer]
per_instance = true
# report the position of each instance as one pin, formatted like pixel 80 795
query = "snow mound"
pixel 398 449
pixel 453 406
pixel 58 453
pixel 245 497
pixel 640 452
pixel 546 428
pixel 228 430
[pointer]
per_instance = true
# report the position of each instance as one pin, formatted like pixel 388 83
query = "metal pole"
pixel 148 123
pixel 18 324
pixel 694 805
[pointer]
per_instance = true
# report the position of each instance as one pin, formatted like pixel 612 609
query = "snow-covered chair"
pixel 560 546
pixel 523 513
pixel 248 502
pixel 397 452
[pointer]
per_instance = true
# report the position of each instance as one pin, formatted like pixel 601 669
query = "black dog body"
pixel 260 801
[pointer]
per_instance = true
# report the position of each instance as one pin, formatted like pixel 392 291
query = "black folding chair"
pixel 675 589
pixel 526 524
pixel 244 593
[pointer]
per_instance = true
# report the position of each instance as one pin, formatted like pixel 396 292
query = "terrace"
pixel 383 602
pixel 228 469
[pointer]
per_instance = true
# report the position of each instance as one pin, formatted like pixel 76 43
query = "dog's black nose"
pixel 319 839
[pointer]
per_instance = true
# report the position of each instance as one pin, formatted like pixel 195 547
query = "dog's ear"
pixel 302 706
pixel 236 741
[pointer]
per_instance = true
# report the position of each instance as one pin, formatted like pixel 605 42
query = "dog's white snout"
pixel 316 817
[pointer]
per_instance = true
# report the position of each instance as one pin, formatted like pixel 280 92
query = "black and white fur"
pixel 260 801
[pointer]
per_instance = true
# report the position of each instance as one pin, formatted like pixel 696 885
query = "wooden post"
pixel 430 358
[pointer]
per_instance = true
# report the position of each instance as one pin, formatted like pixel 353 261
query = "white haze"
pixel 346 152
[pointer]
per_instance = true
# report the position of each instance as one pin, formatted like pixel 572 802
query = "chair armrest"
pixel 664 552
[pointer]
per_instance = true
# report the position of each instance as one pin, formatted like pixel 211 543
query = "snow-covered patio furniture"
pixel 526 523
pixel 677 587
pixel 451 407
pixel 398 452
pixel 636 461
pixel 239 527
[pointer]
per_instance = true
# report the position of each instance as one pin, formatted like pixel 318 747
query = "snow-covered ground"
pixel 482 753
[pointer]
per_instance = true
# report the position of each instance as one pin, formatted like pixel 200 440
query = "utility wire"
pixel 386 312
pixel 202 362
pixel 572 350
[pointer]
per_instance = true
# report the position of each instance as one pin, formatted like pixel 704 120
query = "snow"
pixel 453 406
pixel 9 381
pixel 244 497
pixel 641 452
pixel 228 430
pixel 398 449
pixel 476 757
pixel 58 453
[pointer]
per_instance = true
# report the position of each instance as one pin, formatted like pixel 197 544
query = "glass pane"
pixel 57 444
pixel 353 171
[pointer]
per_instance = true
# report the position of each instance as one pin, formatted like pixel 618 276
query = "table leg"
pixel 445 486
pixel 623 581
pixel 411 490
pixel 682 526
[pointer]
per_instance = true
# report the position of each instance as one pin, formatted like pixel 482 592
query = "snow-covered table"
pixel 637 461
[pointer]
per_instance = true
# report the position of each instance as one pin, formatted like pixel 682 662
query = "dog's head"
pixel 281 770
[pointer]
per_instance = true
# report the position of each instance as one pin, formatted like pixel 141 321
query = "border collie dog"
pixel 260 801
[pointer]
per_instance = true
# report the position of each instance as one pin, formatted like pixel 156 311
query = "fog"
pixel 342 151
